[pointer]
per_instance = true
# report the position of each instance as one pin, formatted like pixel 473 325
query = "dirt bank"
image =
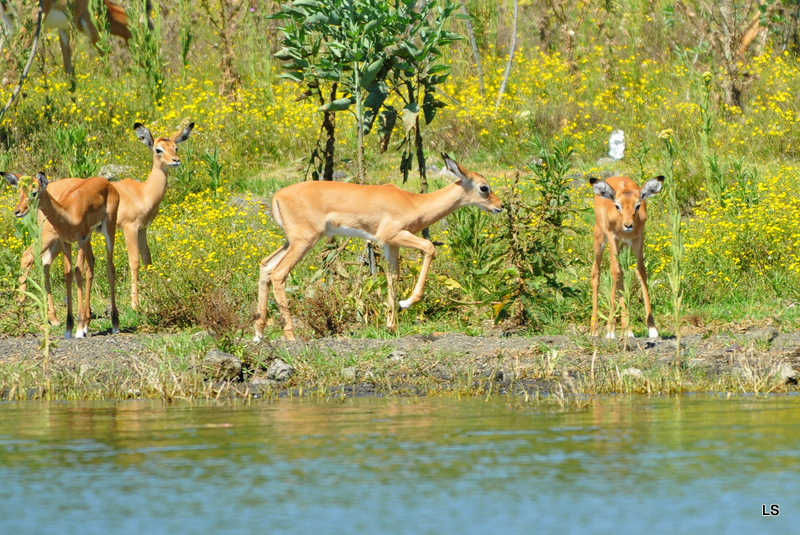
pixel 755 360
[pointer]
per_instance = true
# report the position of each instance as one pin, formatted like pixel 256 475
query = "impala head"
pixel 165 149
pixel 628 200
pixel 478 192
pixel 29 188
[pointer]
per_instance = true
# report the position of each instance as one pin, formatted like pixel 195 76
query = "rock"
pixel 349 373
pixel 764 336
pixel 396 356
pixel 221 366
pixel 788 374
pixel 636 373
pixel 279 371
pixel 339 175
pixel 259 385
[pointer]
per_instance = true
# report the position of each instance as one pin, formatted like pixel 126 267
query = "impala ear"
pixel 652 187
pixel 182 135
pixel 602 188
pixel 11 178
pixel 143 134
pixel 454 168
pixel 42 179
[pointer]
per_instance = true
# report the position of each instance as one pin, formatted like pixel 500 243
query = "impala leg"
pixel 83 269
pixel 47 259
pixel 407 239
pixel 51 248
pixel 68 283
pixel 599 245
pixel 641 271
pixel 109 229
pixel 616 285
pixel 623 306
pixel 392 255
pixel 132 244
pixel 264 281
pixel 26 263
pixel 88 267
pixel 66 51
pixel 144 249
pixel 294 253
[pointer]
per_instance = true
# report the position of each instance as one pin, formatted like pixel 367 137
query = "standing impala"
pixel 386 214
pixel 620 214
pixel 90 205
pixel 139 204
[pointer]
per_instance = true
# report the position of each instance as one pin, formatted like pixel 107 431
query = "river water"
pixel 688 464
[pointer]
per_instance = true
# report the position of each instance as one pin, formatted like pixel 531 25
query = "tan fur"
pixel 139 204
pixel 387 214
pixel 91 204
pixel 610 228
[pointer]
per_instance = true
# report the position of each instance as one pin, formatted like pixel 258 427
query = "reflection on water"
pixel 664 465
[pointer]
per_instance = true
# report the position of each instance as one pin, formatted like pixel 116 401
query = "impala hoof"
pixel 80 333
pixel 610 336
pixel 406 303
pixel 257 338
pixel 67 335
pixel 652 332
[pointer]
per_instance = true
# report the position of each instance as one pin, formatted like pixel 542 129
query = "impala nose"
pixel 627 227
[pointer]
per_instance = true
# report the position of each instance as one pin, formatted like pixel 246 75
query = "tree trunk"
pixel 329 124
pixel 511 51
pixel 475 54
pixel 423 175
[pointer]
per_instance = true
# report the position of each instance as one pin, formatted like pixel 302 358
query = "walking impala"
pixel 620 214
pixel 90 205
pixel 139 204
pixel 387 214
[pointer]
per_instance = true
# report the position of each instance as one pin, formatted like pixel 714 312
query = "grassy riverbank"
pixel 567 370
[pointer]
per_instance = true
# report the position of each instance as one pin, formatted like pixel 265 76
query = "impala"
pixel 139 204
pixel 61 14
pixel 90 205
pixel 620 214
pixel 385 214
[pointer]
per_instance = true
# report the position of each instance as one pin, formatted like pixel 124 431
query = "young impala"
pixel 139 204
pixel 90 205
pixel 620 214
pixel 386 214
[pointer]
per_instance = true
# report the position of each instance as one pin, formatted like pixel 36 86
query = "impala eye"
pixel 619 207
pixel 484 189
pixel 159 150
pixel 636 207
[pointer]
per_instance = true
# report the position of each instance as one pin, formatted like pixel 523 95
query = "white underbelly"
pixel 330 230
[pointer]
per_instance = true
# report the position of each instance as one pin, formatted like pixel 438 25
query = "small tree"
pixel 337 50
pixel 351 54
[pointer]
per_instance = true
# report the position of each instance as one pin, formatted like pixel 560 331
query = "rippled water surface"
pixel 691 464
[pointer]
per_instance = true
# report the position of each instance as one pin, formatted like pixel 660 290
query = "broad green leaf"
pixel 377 95
pixel 296 76
pixel 369 74
pixel 340 104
